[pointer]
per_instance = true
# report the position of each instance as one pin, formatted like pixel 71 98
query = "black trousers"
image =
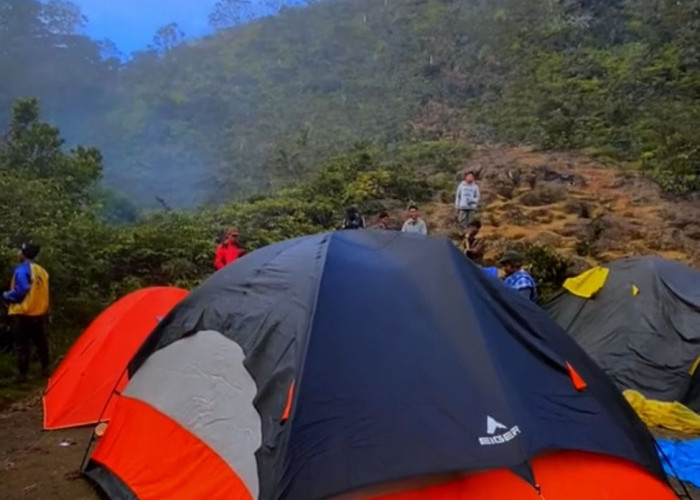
pixel 28 330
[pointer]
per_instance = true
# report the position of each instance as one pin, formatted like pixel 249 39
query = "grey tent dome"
pixel 642 327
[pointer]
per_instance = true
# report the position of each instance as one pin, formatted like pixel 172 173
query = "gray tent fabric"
pixel 646 341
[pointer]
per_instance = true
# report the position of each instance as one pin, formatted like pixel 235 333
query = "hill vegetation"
pixel 280 123
pixel 262 104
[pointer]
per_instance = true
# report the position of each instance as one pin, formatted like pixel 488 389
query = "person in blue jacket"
pixel 516 277
pixel 28 305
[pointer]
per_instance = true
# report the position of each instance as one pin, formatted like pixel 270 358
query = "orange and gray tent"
pixel 368 364
pixel 79 391
pixel 639 319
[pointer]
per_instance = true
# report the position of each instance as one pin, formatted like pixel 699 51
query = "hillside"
pixel 584 209
pixel 267 102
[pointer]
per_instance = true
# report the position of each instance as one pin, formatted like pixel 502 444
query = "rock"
pixel 577 230
pixel 547 239
pixel 578 265
pixel 544 194
pixel 692 232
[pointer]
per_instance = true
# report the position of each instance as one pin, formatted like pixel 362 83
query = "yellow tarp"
pixel 673 416
pixel 694 368
pixel 587 284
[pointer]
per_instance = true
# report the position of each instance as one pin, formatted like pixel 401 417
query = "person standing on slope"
pixel 28 301
pixel 353 219
pixel 414 224
pixel 228 250
pixel 467 200
pixel 516 277
pixel 474 246
pixel 383 223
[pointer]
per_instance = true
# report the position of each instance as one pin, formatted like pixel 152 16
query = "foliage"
pixel 97 248
pixel 549 268
pixel 278 90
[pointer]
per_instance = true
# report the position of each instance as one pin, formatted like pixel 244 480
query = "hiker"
pixel 473 245
pixel 516 277
pixel 353 219
pixel 228 250
pixel 383 224
pixel 467 199
pixel 28 305
pixel 414 224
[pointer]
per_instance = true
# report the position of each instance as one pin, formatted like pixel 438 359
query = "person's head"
pixel 413 213
pixel 384 218
pixel 511 262
pixel 474 228
pixel 231 235
pixel 469 177
pixel 351 213
pixel 28 251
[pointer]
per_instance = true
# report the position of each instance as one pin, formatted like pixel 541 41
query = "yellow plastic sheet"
pixel 587 284
pixel 694 368
pixel 673 416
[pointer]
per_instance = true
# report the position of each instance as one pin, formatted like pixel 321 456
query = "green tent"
pixel 639 319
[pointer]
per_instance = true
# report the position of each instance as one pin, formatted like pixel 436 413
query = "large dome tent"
pixel 368 364
pixel 639 319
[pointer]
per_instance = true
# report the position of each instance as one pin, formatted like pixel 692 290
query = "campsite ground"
pixel 35 465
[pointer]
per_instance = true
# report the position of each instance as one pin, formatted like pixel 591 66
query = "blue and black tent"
pixel 368 364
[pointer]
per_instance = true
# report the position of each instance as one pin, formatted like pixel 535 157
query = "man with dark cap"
pixel 353 219
pixel 28 301
pixel 516 277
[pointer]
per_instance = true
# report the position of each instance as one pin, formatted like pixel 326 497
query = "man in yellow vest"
pixel 28 301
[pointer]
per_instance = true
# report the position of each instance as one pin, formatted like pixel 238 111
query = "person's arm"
pixel 424 228
pixel 476 252
pixel 479 249
pixel 477 195
pixel 526 292
pixel 22 282
pixel 459 189
pixel 403 228
pixel 220 259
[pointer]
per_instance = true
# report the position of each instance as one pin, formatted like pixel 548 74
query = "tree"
pixel 62 18
pixel 229 13
pixel 34 149
pixel 167 38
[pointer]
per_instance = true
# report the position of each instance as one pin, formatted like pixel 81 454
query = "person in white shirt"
pixel 414 224
pixel 467 200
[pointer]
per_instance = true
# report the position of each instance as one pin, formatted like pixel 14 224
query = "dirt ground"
pixel 34 464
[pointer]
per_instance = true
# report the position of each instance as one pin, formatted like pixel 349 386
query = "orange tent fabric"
pixel 79 391
pixel 561 475
pixel 143 447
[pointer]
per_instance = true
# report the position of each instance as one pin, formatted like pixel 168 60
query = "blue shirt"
pixel 22 284
pixel 522 282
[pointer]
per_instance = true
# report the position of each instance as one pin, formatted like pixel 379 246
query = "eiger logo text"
pixel 492 427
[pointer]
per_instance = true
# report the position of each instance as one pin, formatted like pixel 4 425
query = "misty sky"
pixel 131 23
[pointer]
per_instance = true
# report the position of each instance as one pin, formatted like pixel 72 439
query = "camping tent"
pixel 639 319
pixel 80 388
pixel 327 365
